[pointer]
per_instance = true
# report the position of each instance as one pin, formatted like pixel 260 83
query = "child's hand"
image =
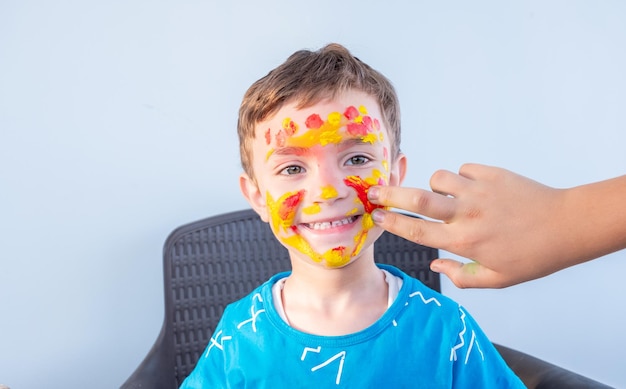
pixel 516 229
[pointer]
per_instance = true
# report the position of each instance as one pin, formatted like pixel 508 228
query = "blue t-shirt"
pixel 423 340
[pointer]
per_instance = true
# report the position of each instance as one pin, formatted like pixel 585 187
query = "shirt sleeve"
pixel 209 371
pixel 476 362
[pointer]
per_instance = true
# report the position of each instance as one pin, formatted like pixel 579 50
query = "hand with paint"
pixel 514 228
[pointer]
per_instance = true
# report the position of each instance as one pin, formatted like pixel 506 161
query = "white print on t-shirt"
pixel 453 356
pixel 254 314
pixel 430 300
pixel 214 342
pixel 341 354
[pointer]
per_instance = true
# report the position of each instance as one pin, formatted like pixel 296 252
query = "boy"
pixel 315 134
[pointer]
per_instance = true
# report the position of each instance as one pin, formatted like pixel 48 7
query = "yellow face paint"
pixel 312 209
pixel 353 123
pixel 283 211
pixel 328 192
pixel 356 122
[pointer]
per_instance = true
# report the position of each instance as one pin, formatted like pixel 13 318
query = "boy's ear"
pixel 252 193
pixel 398 171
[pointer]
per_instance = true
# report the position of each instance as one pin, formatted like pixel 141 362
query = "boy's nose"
pixel 329 187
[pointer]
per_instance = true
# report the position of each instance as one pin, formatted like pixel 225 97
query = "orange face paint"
pixel 361 187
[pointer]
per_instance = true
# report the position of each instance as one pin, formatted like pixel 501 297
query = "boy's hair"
pixel 308 77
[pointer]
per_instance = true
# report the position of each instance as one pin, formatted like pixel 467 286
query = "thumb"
pixel 466 275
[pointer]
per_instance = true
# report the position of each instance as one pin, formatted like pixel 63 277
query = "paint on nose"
pixel 329 192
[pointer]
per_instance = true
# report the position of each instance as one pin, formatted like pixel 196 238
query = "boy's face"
pixel 313 168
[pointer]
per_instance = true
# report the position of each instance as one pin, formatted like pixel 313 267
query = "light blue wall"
pixel 117 124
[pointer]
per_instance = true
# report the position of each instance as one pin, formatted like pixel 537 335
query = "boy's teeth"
pixel 326 225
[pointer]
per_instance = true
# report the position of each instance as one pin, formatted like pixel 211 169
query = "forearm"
pixel 594 218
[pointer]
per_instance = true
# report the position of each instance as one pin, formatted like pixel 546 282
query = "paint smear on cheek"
pixel 359 240
pixel 312 209
pixel 298 243
pixel 361 187
pixel 385 158
pixel 283 210
pixel 282 215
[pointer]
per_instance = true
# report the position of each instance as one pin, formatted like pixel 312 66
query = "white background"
pixel 117 124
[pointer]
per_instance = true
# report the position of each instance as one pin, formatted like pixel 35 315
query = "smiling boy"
pixel 315 134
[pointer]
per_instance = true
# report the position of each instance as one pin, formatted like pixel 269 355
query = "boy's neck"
pixel 328 301
pixel 325 281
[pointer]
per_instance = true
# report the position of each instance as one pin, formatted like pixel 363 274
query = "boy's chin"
pixel 332 255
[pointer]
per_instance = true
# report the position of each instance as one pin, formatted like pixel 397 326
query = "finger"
pixel 422 202
pixel 447 183
pixel 420 231
pixel 476 171
pixel 471 170
pixel 470 275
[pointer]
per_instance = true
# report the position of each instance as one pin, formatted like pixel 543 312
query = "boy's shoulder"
pixel 258 300
pixel 413 288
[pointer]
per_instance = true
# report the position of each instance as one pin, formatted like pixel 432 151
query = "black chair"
pixel 215 261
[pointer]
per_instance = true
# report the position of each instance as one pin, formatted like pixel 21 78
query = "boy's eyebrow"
pixel 299 151
pixel 290 150
pixel 346 143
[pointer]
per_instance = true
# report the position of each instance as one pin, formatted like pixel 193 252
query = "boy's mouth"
pixel 320 226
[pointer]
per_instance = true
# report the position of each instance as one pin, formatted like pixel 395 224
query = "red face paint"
pixel 280 138
pixel 356 129
pixel 314 121
pixel 268 136
pixel 287 209
pixel 290 127
pixel 351 113
pixel 361 187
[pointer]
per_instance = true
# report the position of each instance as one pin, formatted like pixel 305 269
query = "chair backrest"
pixel 215 261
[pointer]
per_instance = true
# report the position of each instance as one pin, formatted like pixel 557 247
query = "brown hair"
pixel 309 77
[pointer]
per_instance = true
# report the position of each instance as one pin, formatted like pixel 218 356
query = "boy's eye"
pixel 357 160
pixel 289 170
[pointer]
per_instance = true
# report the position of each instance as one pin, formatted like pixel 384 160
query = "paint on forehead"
pixel 268 136
pixel 313 121
pixel 356 121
